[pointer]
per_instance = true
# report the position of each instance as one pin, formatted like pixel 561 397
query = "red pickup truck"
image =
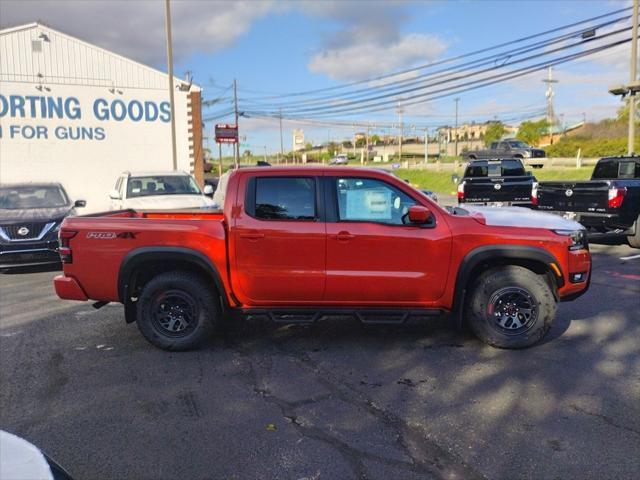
pixel 299 244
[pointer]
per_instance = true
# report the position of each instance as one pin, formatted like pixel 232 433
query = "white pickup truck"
pixel 159 190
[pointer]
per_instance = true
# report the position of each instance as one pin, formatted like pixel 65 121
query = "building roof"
pixel 38 53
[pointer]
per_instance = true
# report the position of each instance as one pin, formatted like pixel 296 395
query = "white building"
pixel 77 114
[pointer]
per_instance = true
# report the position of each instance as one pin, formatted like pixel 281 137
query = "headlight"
pixel 578 238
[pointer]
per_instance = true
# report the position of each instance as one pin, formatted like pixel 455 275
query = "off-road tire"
pixel 195 304
pixel 482 312
pixel 634 240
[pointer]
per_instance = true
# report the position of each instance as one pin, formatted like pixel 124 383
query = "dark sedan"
pixel 30 217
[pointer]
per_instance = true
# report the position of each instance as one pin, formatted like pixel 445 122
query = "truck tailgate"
pixel 499 189
pixel 574 196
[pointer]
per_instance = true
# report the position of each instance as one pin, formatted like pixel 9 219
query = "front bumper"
pixel 29 254
pixel 579 262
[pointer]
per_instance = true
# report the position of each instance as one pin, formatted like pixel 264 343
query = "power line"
pixel 444 72
pixel 468 86
pixel 365 104
pixel 449 60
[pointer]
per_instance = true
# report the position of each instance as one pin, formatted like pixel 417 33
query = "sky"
pixel 275 48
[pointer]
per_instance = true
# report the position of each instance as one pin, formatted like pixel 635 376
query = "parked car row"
pixel 609 203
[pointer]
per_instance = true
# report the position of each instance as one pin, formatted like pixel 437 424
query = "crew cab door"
pixel 374 256
pixel 504 149
pixel 278 241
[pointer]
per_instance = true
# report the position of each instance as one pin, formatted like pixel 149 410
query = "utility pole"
pixel 354 140
pixel 457 99
pixel 265 153
pixel 551 116
pixel 633 78
pixel 235 111
pixel 167 21
pixel 426 145
pixel 366 139
pixel 399 111
pixel 281 142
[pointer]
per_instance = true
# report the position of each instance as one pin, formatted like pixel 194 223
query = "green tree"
pixel 308 146
pixel 347 144
pixel 494 132
pixel 531 132
pixel 360 142
pixel 375 139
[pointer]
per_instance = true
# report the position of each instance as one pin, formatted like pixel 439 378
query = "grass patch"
pixel 441 182
pixel 562 174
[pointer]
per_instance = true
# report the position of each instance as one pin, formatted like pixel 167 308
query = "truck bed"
pixel 104 240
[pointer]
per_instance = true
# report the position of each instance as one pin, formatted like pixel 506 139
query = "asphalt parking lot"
pixel 336 400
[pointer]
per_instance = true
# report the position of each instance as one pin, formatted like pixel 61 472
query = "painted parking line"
pixel 632 257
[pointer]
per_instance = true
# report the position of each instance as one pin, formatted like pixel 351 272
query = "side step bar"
pixel 372 316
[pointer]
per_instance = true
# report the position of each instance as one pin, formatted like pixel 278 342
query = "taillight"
pixel 64 236
pixel 616 196
pixel 461 191
pixel 534 194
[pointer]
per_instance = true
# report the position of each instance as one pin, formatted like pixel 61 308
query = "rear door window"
pixel 626 169
pixel 494 169
pixel 476 170
pixel 512 168
pixel 606 170
pixel 284 198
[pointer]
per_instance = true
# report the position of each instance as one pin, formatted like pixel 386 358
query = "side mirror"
pixel 208 190
pixel 419 214
pixel 114 195
pixel 80 203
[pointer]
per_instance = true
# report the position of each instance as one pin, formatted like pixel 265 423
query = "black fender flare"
pixel 508 254
pixel 139 256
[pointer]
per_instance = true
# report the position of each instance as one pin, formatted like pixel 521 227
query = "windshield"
pixel 518 144
pixel 162 185
pixel 25 197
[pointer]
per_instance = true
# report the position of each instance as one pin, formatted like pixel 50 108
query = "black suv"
pixel 30 217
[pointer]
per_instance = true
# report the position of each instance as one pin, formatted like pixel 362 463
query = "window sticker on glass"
pixel 369 204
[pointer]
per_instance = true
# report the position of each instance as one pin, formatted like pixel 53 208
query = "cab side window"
pixel 282 198
pixel 369 200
